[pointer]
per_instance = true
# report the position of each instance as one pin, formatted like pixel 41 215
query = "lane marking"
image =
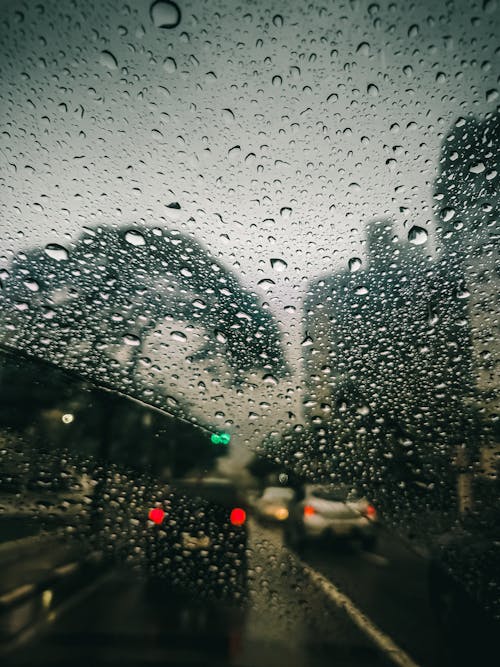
pixel 68 568
pixel 11 596
pixel 376 559
pixel 382 641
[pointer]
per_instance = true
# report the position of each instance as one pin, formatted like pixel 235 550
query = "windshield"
pixel 249 250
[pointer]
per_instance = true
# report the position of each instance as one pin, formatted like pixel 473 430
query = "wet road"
pixel 390 586
pixel 293 617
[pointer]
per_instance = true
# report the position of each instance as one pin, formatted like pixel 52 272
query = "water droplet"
pixel 178 336
pixel 361 290
pixel 134 238
pixel 32 285
pixel 278 264
pixel 417 235
pixel 169 65
pixel 447 214
pixel 198 303
pixel 278 20
pixel 269 379
pixel 354 264
pixel 165 14
pixel 491 95
pixel 489 6
pixel 130 339
pixel 372 90
pixel 477 168
pixel 220 337
pixel 307 342
pixel 56 251
pixel 363 49
pixel 228 115
pixel 285 212
pixel 108 60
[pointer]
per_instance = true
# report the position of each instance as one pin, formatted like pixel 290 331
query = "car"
pixel 273 504
pixel 322 512
pixel 202 525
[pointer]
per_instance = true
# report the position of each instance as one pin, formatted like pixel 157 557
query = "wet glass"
pixel 245 246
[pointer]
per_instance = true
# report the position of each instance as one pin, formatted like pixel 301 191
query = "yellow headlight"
pixel 281 514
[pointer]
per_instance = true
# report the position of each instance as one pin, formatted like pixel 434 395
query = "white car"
pixel 321 512
pixel 274 502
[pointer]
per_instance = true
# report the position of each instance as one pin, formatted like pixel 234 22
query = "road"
pixel 339 606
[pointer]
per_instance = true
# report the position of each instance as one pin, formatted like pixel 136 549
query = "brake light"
pixel 156 515
pixel 309 510
pixel 238 516
pixel 370 512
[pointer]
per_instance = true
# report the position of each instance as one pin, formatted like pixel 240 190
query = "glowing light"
pixel 47 596
pixel 156 515
pixel 281 513
pixel 67 418
pixel 238 516
pixel 220 438
pixel 371 512
pixel 309 510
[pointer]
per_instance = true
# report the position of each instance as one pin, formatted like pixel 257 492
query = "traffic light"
pixel 220 438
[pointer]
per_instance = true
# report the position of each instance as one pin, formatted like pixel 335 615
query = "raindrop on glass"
pixel 134 238
pixel 56 251
pixel 278 264
pixel 417 235
pixel 108 60
pixel 165 14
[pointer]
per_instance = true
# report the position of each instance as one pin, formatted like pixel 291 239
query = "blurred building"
pixel 388 364
pixel 401 354
pixel 467 205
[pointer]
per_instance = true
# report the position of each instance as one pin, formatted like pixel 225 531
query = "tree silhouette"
pixel 96 306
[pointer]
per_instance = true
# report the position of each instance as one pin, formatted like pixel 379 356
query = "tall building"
pixel 467 205
pixel 389 364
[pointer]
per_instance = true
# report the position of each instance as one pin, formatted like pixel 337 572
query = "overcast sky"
pixel 281 129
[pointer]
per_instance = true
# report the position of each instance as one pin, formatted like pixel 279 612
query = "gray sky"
pixel 281 129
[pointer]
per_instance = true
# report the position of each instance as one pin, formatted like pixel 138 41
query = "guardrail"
pixel 36 575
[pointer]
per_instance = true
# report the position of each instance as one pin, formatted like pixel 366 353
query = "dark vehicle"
pixel 320 513
pixel 202 524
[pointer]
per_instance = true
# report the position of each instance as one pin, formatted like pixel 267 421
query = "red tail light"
pixel 156 515
pixel 309 510
pixel 238 516
pixel 370 512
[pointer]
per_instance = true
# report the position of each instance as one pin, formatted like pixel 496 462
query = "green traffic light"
pixel 220 438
